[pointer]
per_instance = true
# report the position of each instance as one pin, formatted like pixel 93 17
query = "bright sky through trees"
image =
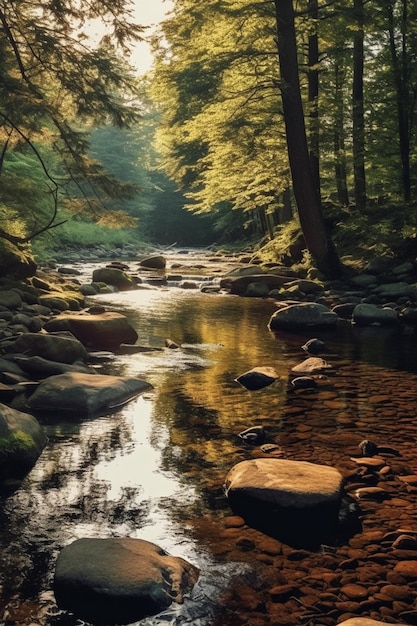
pixel 148 13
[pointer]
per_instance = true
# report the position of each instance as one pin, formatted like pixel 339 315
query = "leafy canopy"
pixel 55 84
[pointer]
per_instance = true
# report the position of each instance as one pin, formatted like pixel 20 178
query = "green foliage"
pixel 55 83
pixel 81 234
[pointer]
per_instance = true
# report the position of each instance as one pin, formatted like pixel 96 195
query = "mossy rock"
pixel 22 440
pixel 16 262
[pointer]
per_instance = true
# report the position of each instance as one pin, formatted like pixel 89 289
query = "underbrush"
pixel 389 230
pixel 77 234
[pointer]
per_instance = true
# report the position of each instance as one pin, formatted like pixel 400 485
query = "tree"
pixel 313 94
pixel 309 210
pixel 358 122
pixel 216 85
pixel 55 81
pixel 400 15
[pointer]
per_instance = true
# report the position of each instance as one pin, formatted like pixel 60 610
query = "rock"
pixel 16 262
pixel 311 365
pixel 119 580
pixel 407 569
pixel 395 290
pixel 172 345
pixel 253 436
pixel 314 346
pixel 238 286
pixel 305 286
pixel 295 501
pixel 52 347
pixel 364 280
pixel 156 262
pixel 58 302
pixel 188 284
pixel 10 299
pixel 257 290
pixel 85 394
pixel 344 310
pixel 38 367
pixel 257 378
pixel 22 440
pixel 102 331
pixel 115 277
pixel 303 315
pixel 365 314
pixel 304 382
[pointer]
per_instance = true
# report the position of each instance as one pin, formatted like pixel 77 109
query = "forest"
pixel 267 122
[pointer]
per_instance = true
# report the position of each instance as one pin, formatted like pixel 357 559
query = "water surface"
pixel 154 470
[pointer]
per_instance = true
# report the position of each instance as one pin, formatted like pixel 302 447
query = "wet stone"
pixel 407 569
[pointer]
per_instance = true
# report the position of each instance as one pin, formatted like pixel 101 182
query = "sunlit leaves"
pixel 55 79
pixel 222 133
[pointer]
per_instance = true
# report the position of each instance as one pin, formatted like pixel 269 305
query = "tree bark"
pixel 339 139
pixel 358 123
pixel 313 96
pixel 309 209
pixel 401 69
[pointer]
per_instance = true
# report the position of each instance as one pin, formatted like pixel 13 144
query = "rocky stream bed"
pixel 368 569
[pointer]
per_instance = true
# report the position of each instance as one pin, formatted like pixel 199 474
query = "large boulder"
pixel 115 277
pixel 15 261
pixel 85 394
pixel 295 501
pixel 156 262
pixel 22 440
pixel 119 580
pixel 303 315
pixel 366 314
pixel 53 347
pixel 239 285
pixel 102 331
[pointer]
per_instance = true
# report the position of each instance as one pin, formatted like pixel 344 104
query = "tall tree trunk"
pixel 309 209
pixel 401 70
pixel 358 123
pixel 286 214
pixel 313 95
pixel 339 138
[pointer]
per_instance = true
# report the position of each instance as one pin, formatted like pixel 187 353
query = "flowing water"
pixel 154 469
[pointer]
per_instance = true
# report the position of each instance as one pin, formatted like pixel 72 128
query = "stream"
pixel 154 470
